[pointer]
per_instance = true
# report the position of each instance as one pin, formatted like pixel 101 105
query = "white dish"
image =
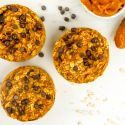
pixel 106 102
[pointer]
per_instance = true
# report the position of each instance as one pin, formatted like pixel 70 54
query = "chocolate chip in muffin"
pixel 9 83
pixel 21 110
pixel 8 7
pixel 60 52
pixel 1 18
pixel 43 7
pixel 12 50
pixel 26 80
pixel 73 30
pixel 48 96
pixel 6 43
pixel 43 94
pixel 66 9
pixel 73 16
pixel 36 77
pixel 85 62
pixel 38 106
pixel 22 25
pixel 37 27
pixel 82 55
pixel 14 9
pixel 88 53
pixel 93 48
pixel 94 40
pixel 14 102
pixel 14 26
pixel 22 18
pixel 15 97
pixel 16 41
pixel 41 54
pixel 37 42
pixel 26 87
pixel 23 35
pixel 79 44
pixel 66 19
pixel 42 18
pixel 100 56
pixel 10 110
pixel 30 71
pixel 14 36
pixel 35 88
pixel 62 28
pixel 92 57
pixel 75 68
pixel 25 102
pixel 22 49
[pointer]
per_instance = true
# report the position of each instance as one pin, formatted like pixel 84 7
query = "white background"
pixel 71 107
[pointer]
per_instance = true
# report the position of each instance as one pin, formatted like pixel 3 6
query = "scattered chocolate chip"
pixel 37 42
pixel 15 97
pixel 9 84
pixel 8 33
pixel 1 19
pixel 12 50
pixel 92 57
pixel 62 12
pixel 36 77
pixel 60 7
pixel 21 110
pixel 16 41
pixel 88 53
pixel 8 7
pixel 22 18
pixel 48 96
pixel 43 7
pixel 75 68
pixel 6 42
pixel 42 18
pixel 69 36
pixel 73 16
pixel 22 49
pixel 79 44
pixel 14 103
pixel 31 70
pixel 10 110
pixel 73 29
pixel 69 45
pixel 14 9
pixel 62 28
pixel 27 31
pixel 22 25
pixel 25 102
pixel 66 9
pixel 82 55
pixel 26 80
pixel 93 48
pixel 100 56
pixel 43 94
pixel 20 90
pixel 40 106
pixel 10 38
pixel 36 106
pixel 94 40
pixel 14 36
pixel 85 62
pixel 35 88
pixel 23 35
pixel 26 88
pixel 60 51
pixel 37 27
pixel 66 19
pixel 41 54
pixel 14 26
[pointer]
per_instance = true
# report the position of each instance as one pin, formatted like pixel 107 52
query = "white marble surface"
pixel 106 102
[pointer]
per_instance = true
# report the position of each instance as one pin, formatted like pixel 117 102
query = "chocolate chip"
pixel 21 110
pixel 73 16
pixel 22 49
pixel 75 68
pixel 27 31
pixel 22 25
pixel 1 19
pixel 92 57
pixel 14 9
pixel 14 103
pixel 31 70
pixel 15 97
pixel 82 55
pixel 26 80
pixel 26 88
pixel 40 106
pixel 93 48
pixel 23 35
pixel 85 62
pixel 14 26
pixel 8 7
pixel 66 9
pixel 60 51
pixel 6 42
pixel 100 56
pixel 20 90
pixel 60 7
pixel 62 12
pixel 8 33
pixel 22 18
pixel 37 42
pixel 69 45
pixel 43 7
pixel 42 18
pixel 41 54
pixel 48 96
pixel 37 27
pixel 62 28
pixel 9 84
pixel 66 19
pixel 94 40
pixel 36 106
pixel 10 110
pixel 36 77
pixel 25 102
pixel 12 50
pixel 88 53
pixel 14 36
pixel 35 88
pixel 43 94
pixel 16 41
pixel 73 29
pixel 79 44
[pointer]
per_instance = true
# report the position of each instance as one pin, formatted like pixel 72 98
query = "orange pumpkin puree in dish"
pixel 104 7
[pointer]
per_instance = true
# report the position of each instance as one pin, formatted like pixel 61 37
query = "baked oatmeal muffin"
pixel 81 55
pixel 28 93
pixel 120 35
pixel 22 33
pixel 104 7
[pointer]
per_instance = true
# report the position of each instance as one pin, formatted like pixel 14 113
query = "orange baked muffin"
pixel 81 55
pixel 22 33
pixel 120 35
pixel 28 93
pixel 104 7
